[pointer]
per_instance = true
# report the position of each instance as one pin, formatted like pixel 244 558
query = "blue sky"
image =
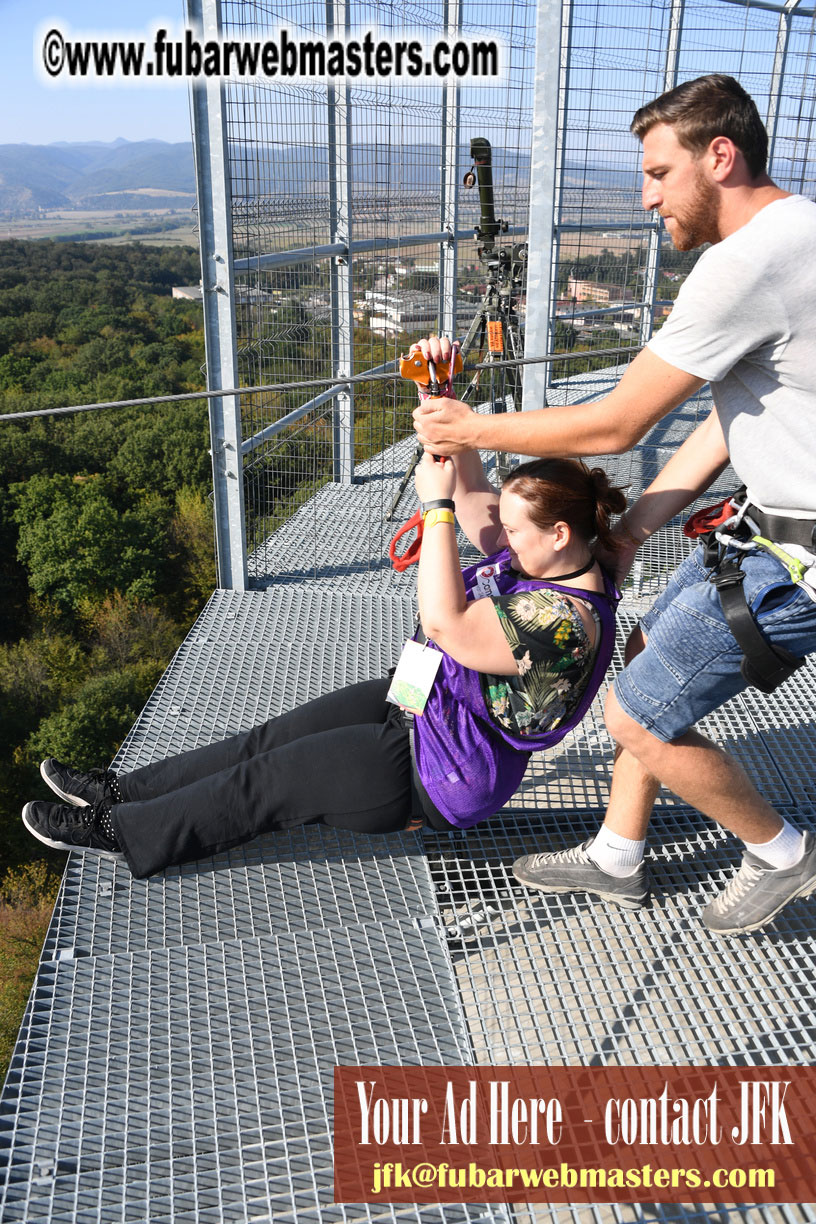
pixel 34 113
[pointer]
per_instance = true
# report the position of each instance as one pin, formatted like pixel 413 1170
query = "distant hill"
pixel 390 167
pixel 95 175
pixel 150 173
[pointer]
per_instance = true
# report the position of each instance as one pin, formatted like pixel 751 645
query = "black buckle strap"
pixel 778 527
pixel 713 550
pixel 784 530
pixel 423 808
pixel 764 665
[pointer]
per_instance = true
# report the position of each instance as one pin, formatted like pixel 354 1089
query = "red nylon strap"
pixel 401 561
pixel 708 519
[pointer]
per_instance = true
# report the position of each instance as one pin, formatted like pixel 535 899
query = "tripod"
pixel 496 318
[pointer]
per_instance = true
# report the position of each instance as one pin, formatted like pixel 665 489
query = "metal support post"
pixel 653 253
pixel 448 251
pixel 210 143
pixel 559 227
pixel 543 215
pixel 783 34
pixel 342 318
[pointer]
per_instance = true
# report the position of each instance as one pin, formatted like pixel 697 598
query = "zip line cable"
pixel 355 380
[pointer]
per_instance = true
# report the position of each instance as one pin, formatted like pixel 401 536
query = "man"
pixel 744 321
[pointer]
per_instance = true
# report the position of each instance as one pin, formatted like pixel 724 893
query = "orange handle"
pixel 415 368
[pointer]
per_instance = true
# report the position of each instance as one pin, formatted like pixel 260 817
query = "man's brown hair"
pixel 698 111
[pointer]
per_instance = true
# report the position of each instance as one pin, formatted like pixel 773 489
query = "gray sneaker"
pixel 574 871
pixel 758 892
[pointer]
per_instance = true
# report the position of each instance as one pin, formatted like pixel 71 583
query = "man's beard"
pixel 699 221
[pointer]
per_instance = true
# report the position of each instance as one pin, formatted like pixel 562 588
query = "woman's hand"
pixel 434 480
pixel 437 348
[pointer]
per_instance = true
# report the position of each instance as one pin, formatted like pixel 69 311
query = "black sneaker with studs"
pixel 72 828
pixel 73 786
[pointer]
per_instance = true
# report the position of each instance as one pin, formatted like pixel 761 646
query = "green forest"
pixel 106 527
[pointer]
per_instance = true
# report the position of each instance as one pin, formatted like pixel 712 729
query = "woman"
pixel 520 643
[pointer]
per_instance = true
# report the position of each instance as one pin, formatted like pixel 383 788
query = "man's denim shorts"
pixel 691 663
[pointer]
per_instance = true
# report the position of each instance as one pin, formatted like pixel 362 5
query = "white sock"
pixel 617 856
pixel 784 850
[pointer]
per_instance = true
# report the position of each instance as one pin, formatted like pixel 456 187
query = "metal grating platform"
pixel 260 665
pixel 176 1057
pixel 305 880
pixel 561 979
pixel 342 534
pixel 205 1089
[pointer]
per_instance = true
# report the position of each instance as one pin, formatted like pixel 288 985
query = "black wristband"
pixel 441 503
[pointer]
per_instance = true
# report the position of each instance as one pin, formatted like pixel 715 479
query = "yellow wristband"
pixel 438 516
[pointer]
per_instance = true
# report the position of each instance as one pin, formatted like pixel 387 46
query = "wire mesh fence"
pixel 353 233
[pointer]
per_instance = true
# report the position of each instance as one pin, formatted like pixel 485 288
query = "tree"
pixel 565 336
pixel 192 535
pixel 128 631
pixel 88 729
pixel 423 282
pixel 91 582
pixel 18 372
pixel 166 449
pixel 76 544
pixel 27 898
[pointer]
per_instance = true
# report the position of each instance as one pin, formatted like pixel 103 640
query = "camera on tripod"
pixel 495 322
pixel 489 226
pixel 505 267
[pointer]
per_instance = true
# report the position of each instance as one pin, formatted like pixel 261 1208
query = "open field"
pixel 109 225
pixel 129 225
pixel 592 242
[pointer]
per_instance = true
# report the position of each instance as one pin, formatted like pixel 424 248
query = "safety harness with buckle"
pixel 728 525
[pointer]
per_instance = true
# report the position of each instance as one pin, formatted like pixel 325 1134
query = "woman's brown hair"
pixel 566 490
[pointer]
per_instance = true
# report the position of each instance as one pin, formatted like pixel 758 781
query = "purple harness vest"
pixel 468 764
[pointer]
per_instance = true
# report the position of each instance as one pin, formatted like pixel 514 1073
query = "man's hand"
pixel 618 563
pixel 444 426
pixel 440 421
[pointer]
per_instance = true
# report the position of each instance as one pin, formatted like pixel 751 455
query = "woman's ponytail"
pixel 609 500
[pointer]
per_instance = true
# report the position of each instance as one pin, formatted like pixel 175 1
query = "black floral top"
pixel 554 658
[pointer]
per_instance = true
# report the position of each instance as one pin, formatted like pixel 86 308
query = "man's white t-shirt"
pixel 745 321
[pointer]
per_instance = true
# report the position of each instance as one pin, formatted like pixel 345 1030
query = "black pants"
pixel 344 759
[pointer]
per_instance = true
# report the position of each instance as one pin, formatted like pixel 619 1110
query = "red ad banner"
pixel 575 1134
